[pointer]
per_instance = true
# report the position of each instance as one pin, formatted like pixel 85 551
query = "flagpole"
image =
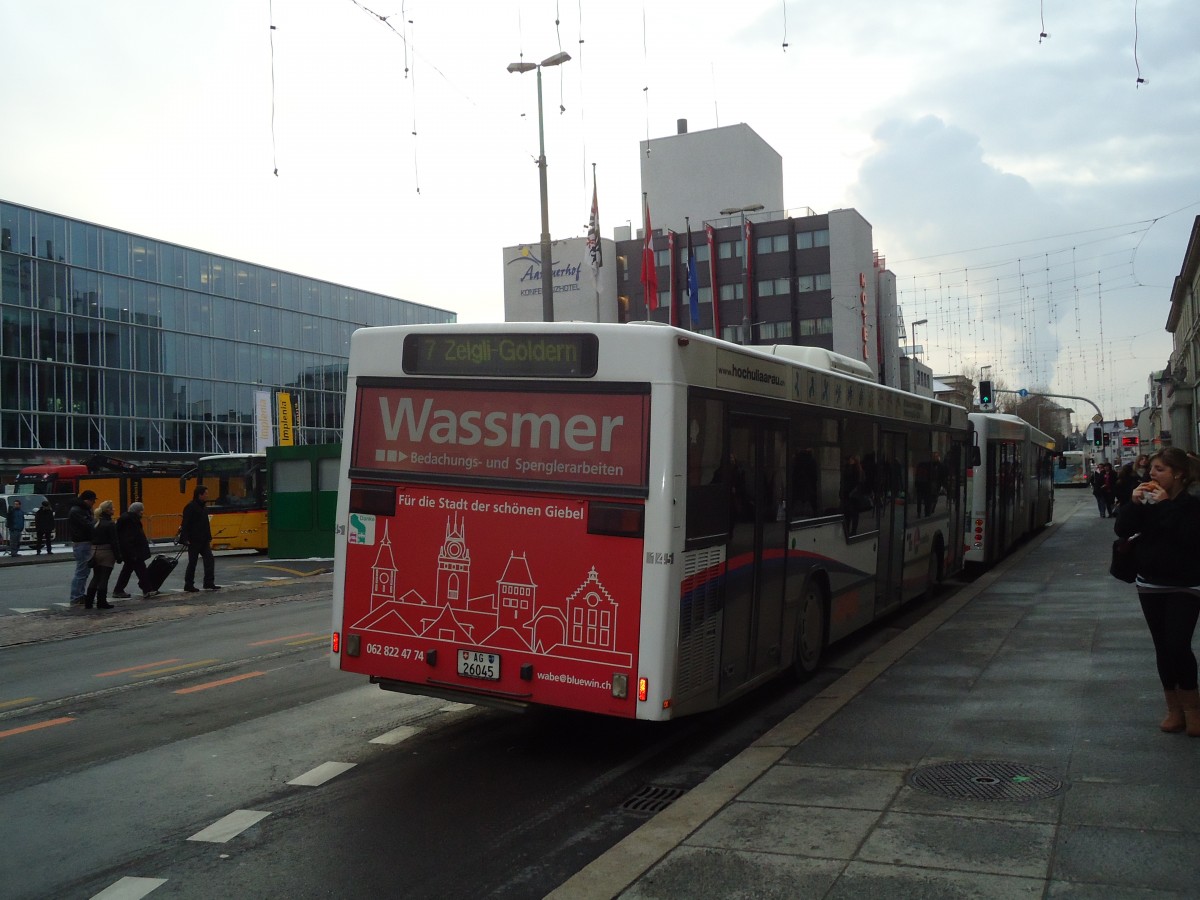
pixel 596 272
pixel 647 241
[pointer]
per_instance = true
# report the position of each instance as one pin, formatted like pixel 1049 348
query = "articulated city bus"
pixel 631 520
pixel 1010 485
pixel 1072 469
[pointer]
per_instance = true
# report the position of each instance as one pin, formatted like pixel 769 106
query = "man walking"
pixel 135 550
pixel 15 520
pixel 43 524
pixel 196 535
pixel 80 524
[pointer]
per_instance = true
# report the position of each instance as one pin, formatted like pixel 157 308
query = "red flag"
pixel 748 260
pixel 649 269
pixel 671 277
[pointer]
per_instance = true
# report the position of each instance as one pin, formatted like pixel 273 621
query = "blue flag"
pixel 693 284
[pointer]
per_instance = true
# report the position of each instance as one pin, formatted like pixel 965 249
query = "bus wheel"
pixel 810 630
pixel 937 569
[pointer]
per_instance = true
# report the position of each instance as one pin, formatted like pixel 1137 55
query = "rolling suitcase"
pixel 158 570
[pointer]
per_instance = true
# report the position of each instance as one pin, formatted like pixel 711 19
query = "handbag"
pixel 1124 560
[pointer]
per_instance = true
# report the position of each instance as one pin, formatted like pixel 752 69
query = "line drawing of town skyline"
pixel 580 625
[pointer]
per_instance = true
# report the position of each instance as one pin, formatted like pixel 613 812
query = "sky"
pixel 1032 197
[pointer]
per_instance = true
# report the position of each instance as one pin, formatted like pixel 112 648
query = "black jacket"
pixel 1168 544
pixel 80 522
pixel 105 535
pixel 43 520
pixel 131 537
pixel 195 529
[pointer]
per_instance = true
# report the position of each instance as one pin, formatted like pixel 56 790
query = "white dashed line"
pixel 129 888
pixel 456 707
pixel 396 735
pixel 322 773
pixel 32 609
pixel 230 826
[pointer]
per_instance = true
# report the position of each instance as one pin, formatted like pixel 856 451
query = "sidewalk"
pixel 1033 691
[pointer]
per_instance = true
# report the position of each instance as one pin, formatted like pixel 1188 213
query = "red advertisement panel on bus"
pixel 504 594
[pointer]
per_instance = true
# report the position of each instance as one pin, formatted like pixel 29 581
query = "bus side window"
pixel 709 478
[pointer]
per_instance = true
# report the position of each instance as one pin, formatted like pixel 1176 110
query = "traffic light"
pixel 1098 432
pixel 1107 439
pixel 985 393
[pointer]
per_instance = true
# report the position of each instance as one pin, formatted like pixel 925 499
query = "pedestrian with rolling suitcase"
pixel 135 550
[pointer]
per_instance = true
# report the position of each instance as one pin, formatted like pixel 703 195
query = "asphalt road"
pixel 202 746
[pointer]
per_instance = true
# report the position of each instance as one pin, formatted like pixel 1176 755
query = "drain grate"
pixel 986 780
pixel 652 799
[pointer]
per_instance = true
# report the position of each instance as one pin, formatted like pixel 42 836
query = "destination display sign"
pixel 507 355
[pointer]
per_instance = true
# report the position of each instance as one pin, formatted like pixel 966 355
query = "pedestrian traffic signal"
pixel 1098 439
pixel 1107 439
pixel 985 393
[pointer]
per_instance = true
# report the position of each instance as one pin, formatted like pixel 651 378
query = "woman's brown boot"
pixel 1174 722
pixel 1191 711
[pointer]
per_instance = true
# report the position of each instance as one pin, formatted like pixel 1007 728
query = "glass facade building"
pixel 115 343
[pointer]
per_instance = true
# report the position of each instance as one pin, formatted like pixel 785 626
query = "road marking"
pixel 396 735
pixel 47 724
pixel 7 703
pixel 28 609
pixel 185 667
pixel 280 640
pixel 161 662
pixel 213 684
pixel 322 773
pixel 229 826
pixel 297 572
pixel 275 578
pixel 319 639
pixel 130 888
pixel 456 707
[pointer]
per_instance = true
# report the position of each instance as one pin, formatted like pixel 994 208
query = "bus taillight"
pixel 643 688
pixel 335 642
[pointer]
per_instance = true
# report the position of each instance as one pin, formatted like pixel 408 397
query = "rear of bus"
pixel 491 514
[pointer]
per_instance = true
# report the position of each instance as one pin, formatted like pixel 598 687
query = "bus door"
pixel 752 621
pixel 891 486
pixel 999 499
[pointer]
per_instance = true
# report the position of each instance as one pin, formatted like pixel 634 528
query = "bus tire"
pixel 812 629
pixel 937 568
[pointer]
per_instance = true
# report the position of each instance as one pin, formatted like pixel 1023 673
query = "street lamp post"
pixel 547 263
pixel 914 343
pixel 732 211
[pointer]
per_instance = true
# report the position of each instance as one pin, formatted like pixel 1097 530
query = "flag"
pixel 693 283
pixel 671 276
pixel 593 236
pixel 748 261
pixel 649 269
pixel 711 234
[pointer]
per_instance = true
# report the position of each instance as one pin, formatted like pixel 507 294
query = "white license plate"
pixel 474 664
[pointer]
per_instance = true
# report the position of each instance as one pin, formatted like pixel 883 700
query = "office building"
pixel 135 347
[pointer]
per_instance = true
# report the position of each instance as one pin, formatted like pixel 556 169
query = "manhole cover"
pixel 652 799
pixel 986 780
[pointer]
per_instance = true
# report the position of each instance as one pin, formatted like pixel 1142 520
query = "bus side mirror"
pixel 976 460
